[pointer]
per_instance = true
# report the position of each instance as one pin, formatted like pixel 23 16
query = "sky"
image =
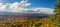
pixel 46 6
pixel 43 3
pixel 36 3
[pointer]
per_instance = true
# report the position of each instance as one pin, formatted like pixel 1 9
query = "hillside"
pixel 18 20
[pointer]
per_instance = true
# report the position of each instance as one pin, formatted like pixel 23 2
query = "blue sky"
pixel 36 3
pixel 43 3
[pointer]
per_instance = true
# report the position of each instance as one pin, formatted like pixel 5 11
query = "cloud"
pixel 14 7
pixel 28 4
pixel 19 7
pixel 47 10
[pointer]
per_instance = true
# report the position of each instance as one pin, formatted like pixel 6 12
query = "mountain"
pixel 24 14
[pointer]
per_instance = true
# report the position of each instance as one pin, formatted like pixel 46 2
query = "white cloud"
pixel 2 6
pixel 47 10
pixel 28 4
pixel 19 7
pixel 14 7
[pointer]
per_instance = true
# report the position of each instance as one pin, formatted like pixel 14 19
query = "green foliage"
pixel 57 7
pixel 56 21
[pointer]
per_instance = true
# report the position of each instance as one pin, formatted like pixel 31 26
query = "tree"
pixel 57 16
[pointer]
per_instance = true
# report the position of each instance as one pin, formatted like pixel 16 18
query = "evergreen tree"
pixel 57 6
pixel 57 9
pixel 57 16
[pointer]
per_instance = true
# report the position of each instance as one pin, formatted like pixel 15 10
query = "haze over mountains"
pixel 24 14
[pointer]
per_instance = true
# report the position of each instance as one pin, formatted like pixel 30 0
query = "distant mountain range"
pixel 27 14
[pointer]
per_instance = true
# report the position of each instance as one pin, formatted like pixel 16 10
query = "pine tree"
pixel 57 16
pixel 57 9
pixel 57 6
